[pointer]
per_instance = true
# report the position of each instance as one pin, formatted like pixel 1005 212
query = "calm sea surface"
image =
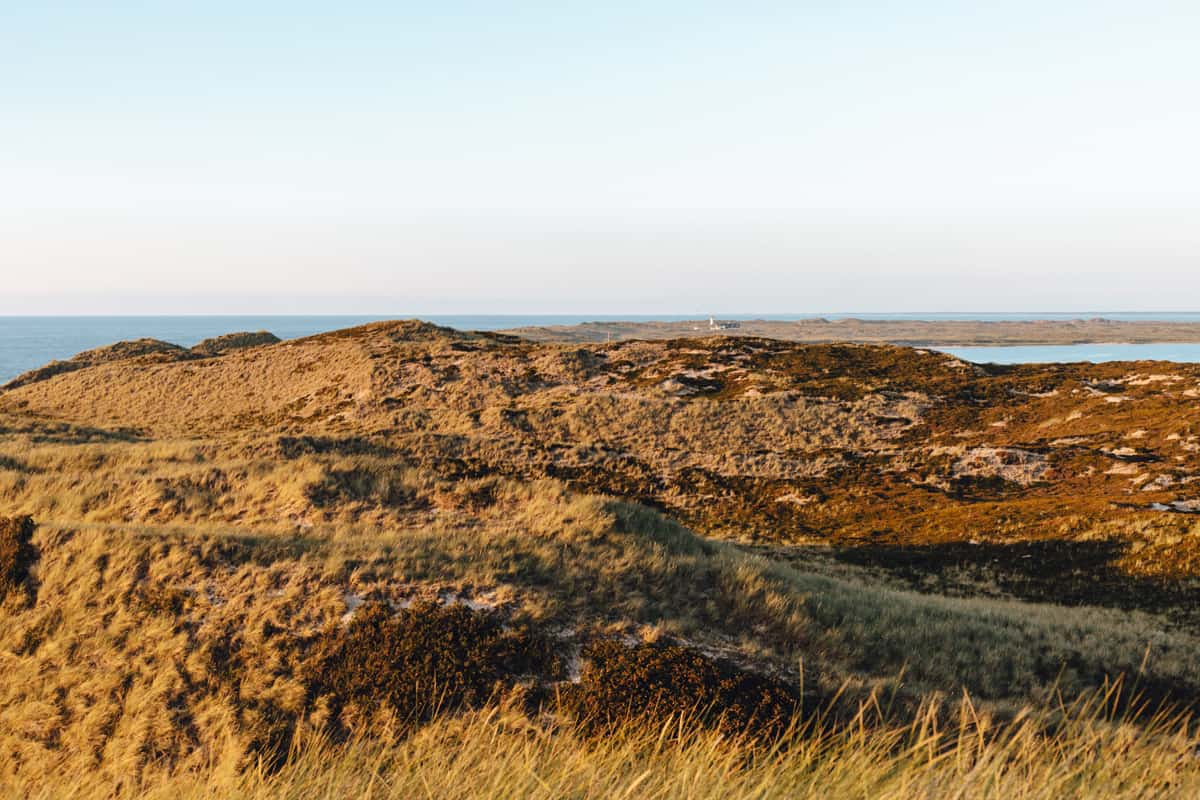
pixel 28 342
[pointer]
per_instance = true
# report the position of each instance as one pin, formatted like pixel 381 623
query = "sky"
pixel 574 157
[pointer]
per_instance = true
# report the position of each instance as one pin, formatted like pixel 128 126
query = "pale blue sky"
pixel 393 157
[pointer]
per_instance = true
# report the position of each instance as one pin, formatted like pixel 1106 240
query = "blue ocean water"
pixel 28 342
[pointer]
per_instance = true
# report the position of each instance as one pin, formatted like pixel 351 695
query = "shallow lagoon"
pixel 1060 353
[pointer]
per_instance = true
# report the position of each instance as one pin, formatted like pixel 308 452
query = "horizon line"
pixel 764 315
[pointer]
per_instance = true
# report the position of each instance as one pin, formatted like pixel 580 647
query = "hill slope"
pixel 811 516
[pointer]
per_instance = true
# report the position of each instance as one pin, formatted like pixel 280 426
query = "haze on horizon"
pixel 653 157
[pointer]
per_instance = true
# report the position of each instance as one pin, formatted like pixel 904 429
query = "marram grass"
pixel 1076 752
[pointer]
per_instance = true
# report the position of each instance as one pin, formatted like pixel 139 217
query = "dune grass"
pixel 1078 752
pixel 153 645
pixel 178 581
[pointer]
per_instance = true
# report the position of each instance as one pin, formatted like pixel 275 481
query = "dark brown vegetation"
pixel 423 660
pixel 17 553
pixel 656 681
pixel 429 659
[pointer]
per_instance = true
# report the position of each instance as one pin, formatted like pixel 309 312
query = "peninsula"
pixel 915 333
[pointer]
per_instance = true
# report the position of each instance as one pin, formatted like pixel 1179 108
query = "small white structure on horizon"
pixel 714 325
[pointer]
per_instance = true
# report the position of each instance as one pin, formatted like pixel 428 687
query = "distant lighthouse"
pixel 713 325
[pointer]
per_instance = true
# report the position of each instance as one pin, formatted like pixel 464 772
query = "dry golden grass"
pixel 499 754
pixel 738 438
pixel 202 524
pixel 158 647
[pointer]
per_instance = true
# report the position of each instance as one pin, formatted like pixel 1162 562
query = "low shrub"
pixel 161 599
pixel 17 553
pixel 423 659
pixel 360 484
pixel 620 682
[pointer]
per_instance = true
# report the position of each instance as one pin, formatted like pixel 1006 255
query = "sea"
pixel 27 342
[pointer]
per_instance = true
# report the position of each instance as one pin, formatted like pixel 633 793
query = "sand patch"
pixel 1013 464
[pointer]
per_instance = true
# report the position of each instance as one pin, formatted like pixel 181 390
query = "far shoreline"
pixel 906 332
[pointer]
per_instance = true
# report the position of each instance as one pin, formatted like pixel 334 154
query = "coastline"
pixel 910 333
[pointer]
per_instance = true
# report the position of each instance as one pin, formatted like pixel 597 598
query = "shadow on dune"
pixel 1064 572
